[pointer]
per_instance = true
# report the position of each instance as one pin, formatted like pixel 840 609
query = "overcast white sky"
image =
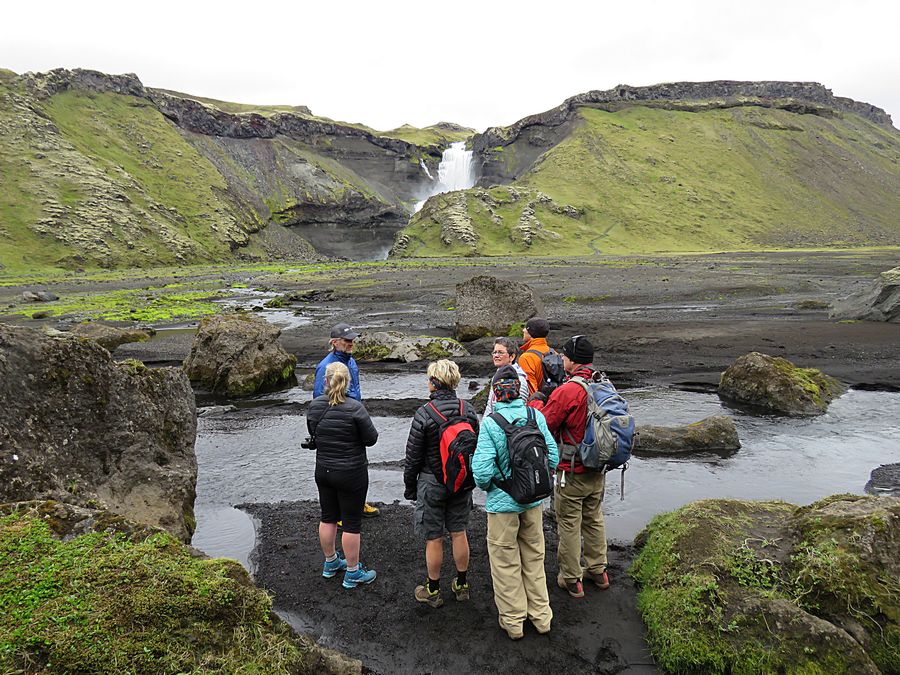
pixel 475 63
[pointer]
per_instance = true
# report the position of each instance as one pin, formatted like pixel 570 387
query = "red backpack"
pixel 458 441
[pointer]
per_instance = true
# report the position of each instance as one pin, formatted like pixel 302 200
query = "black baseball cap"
pixel 343 330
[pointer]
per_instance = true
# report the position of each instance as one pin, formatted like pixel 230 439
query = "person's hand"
pixel 537 396
pixel 410 495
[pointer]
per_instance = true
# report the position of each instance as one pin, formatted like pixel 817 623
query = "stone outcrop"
pixel 879 302
pixel 395 346
pixel 154 605
pixel 884 481
pixel 262 177
pixel 716 433
pixel 734 586
pixel 534 134
pixel 238 355
pixel 109 337
pixel 776 385
pixel 488 306
pixel 80 428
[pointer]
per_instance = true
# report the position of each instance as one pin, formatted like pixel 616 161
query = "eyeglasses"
pixel 499 353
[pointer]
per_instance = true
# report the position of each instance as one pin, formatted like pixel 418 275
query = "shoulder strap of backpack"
pixel 435 414
pixel 587 391
pixel 502 422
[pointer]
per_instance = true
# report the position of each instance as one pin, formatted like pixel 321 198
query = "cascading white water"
pixel 455 172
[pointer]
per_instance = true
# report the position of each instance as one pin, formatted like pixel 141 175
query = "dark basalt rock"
pixel 486 305
pixel 776 385
pixel 80 428
pixel 879 302
pixel 238 355
pixel 716 433
pixel 885 481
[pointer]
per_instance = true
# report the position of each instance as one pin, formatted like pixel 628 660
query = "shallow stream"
pixel 253 455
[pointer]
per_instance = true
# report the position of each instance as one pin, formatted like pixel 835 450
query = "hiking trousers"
pixel 578 512
pixel 516 548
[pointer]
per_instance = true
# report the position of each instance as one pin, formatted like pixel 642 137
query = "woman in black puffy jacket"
pixel 438 510
pixel 341 430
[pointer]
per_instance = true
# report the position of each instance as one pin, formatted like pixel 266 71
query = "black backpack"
pixel 552 371
pixel 457 441
pixel 530 479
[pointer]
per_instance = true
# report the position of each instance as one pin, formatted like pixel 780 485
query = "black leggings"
pixel 342 495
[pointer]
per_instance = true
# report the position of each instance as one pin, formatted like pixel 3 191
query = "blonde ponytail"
pixel 337 382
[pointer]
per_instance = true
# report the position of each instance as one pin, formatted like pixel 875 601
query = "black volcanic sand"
pixel 654 320
pixel 384 626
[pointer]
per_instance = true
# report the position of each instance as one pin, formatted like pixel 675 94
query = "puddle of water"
pixel 248 298
pixel 797 460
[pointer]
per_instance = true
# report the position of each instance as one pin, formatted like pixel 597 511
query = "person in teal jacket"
pixel 515 533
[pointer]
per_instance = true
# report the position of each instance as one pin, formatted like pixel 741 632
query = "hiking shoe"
pixel 599 578
pixel 574 588
pixel 370 511
pixel 543 630
pixel 330 569
pixel 461 592
pixel 360 576
pixel 430 598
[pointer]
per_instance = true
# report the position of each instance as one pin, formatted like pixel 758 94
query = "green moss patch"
pixel 748 587
pixel 107 602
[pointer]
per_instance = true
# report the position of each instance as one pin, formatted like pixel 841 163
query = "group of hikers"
pixel 524 406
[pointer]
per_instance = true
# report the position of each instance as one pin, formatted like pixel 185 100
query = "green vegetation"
pixel 648 180
pixel 435 135
pixel 108 602
pixel 716 576
pixel 151 305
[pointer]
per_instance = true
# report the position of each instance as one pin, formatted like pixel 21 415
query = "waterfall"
pixel 455 172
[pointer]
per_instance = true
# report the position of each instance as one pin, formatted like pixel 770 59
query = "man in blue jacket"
pixel 515 532
pixel 341 350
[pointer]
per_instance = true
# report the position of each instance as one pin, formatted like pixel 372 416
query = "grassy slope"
pixel 433 135
pixel 652 180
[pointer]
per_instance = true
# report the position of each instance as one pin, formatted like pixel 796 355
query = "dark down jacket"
pixel 423 447
pixel 342 433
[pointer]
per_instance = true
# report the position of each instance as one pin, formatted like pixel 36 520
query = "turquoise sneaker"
pixel 330 569
pixel 360 576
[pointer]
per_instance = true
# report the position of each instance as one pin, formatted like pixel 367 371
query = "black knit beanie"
pixel 579 349
pixel 537 327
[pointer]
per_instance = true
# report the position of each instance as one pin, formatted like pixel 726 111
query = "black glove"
pixel 537 396
pixel 410 495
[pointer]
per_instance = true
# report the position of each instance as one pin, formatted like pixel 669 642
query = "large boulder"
pixel 109 337
pixel 716 433
pixel 776 385
pixel 238 355
pixel 395 346
pixel 80 428
pixel 88 591
pixel 879 302
pixel 488 306
pixel 744 587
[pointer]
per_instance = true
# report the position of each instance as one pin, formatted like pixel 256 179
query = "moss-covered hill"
pixel 99 171
pixel 641 171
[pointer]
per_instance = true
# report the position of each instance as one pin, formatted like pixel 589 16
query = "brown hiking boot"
pixel 599 578
pixel 432 599
pixel 574 588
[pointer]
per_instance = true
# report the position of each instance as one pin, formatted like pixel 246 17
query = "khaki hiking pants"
pixel 516 547
pixel 578 512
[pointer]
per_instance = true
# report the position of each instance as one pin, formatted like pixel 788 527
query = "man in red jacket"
pixel 579 491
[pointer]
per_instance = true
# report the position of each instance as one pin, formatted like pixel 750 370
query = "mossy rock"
pixel 732 586
pixel 87 591
pixel 479 400
pixel 395 346
pixel 776 385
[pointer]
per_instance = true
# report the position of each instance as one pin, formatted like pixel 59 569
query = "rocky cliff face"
pixel 104 171
pixel 535 134
pixel 80 428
